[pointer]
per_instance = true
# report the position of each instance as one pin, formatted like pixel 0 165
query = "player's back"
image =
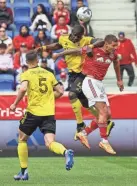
pixel 41 101
pixel 98 65
pixel 74 62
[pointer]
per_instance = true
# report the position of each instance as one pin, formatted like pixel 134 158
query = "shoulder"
pixel 87 39
pixel 63 38
pixel 50 71
pixel 9 9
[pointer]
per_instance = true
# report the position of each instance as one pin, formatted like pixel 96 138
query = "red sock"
pixel 93 126
pixel 103 130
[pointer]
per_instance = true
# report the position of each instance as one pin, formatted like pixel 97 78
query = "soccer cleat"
pixel 79 130
pixel 82 136
pixel 69 155
pixel 110 126
pixel 107 147
pixel 21 176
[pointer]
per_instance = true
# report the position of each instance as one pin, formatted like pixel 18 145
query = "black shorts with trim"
pixel 75 85
pixel 30 122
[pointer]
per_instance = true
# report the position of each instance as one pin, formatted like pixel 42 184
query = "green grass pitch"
pixel 87 171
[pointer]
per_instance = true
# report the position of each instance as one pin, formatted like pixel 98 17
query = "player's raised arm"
pixel 20 95
pixel 53 46
pixel 76 51
pixel 118 76
pixel 97 42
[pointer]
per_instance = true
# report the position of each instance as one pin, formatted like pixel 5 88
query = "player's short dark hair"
pixel 3 46
pixel 31 56
pixel 79 1
pixel 78 29
pixel 110 38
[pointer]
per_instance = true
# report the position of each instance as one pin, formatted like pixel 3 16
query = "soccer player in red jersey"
pixel 95 66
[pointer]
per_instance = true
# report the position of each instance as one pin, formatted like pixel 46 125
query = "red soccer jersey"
pixel 97 65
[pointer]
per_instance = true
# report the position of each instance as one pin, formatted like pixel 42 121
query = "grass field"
pixel 88 171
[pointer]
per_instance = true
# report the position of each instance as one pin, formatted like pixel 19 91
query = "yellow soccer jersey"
pixel 41 100
pixel 74 62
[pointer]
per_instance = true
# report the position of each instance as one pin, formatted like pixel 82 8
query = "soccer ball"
pixel 84 14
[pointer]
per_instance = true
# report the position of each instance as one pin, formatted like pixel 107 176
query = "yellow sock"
pixel 23 154
pixel 57 148
pixel 76 106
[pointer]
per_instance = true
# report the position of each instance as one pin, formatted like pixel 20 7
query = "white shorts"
pixel 94 91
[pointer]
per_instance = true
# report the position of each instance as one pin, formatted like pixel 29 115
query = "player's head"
pixel 121 36
pixel 80 3
pixel 111 43
pixel 77 33
pixel 31 58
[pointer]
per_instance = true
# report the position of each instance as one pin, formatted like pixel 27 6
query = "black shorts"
pixel 75 84
pixel 30 122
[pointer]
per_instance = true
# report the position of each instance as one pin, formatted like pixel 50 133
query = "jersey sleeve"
pixel 88 40
pixel 24 77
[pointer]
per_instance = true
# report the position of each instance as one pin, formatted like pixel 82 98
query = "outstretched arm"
pixel 97 42
pixel 78 51
pixel 94 44
pixel 53 46
pixel 67 52
pixel 118 75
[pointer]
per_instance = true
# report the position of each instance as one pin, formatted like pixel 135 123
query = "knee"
pixel 48 143
pixel 72 95
pixel 22 139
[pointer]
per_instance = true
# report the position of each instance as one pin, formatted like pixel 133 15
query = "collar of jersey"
pixel 34 67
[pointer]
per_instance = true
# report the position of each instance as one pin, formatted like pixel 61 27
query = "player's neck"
pixel 32 66
pixel 104 49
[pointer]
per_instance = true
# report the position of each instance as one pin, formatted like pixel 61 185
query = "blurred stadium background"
pixel 108 17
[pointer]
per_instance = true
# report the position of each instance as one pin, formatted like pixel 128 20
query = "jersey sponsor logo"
pixel 101 60
pixel 7 113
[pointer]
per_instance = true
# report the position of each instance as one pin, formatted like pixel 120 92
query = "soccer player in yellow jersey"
pixel 74 64
pixel 39 84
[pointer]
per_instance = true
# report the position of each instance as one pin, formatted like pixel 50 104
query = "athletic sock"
pixel 104 140
pixel 103 130
pixel 93 126
pixel 23 155
pixel 57 148
pixel 76 106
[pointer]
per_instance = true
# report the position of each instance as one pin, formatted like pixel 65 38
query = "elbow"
pixel 23 89
pixel 61 90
